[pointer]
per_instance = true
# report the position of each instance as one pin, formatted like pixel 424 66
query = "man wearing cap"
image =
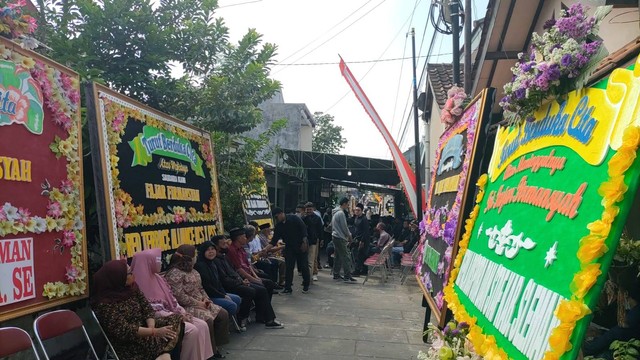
pixel 238 258
pixel 314 233
pixel 341 235
pixel 362 237
pixel 249 292
pixel 293 232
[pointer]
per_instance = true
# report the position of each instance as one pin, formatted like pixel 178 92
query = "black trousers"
pixel 293 255
pixel 270 267
pixel 259 295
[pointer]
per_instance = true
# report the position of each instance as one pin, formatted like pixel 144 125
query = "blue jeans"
pixel 230 305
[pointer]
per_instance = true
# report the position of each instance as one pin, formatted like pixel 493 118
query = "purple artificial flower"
pixel 450 231
pixel 463 325
pixel 520 93
pixel 566 60
pixel 591 48
pixel 549 24
pixel 553 72
pixel 455 332
pixel 531 119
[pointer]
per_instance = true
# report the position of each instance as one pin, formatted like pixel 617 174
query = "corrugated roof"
pixel 441 80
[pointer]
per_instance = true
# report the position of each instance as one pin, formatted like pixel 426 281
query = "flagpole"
pixel 416 130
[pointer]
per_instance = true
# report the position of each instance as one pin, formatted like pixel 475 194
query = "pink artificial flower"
pixel 68 238
pixel 66 186
pixel 31 23
pixel 54 209
pixel 74 97
pixel 72 273
pixel 17 4
pixel 178 218
pixel 23 215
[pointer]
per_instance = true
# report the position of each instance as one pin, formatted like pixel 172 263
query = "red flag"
pixel 407 176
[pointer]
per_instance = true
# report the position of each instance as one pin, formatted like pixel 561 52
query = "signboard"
pixel 158 173
pixel 42 239
pixel 536 250
pixel 456 167
pixel 257 208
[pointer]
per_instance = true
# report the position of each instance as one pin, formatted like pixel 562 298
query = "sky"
pixel 311 32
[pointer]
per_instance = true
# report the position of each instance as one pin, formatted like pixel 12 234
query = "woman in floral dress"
pixel 146 266
pixel 186 285
pixel 128 319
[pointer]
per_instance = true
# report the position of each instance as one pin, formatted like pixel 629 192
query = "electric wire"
pixel 332 37
pixel 326 32
pixel 350 62
pixel 373 65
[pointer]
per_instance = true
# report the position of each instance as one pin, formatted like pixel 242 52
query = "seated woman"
pixel 211 280
pixel 128 319
pixel 186 285
pixel 197 340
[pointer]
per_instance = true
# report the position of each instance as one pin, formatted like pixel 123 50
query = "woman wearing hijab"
pixel 186 285
pixel 145 267
pixel 211 280
pixel 128 318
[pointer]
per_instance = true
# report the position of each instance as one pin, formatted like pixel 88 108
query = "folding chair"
pixel 56 323
pixel 408 263
pixel 110 354
pixel 379 261
pixel 14 340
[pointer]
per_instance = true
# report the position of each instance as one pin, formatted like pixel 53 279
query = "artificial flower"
pixel 592 247
pixel 482 180
pixel 584 279
pixel 50 290
pixel 570 311
pixel 612 191
pixel 599 228
pixel 609 214
pixel 560 336
pixel 631 138
pixel 621 161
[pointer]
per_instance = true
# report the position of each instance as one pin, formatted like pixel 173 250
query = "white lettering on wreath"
pixel 504 242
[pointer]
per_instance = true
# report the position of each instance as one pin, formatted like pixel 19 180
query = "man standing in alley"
pixel 314 235
pixel 293 232
pixel 341 235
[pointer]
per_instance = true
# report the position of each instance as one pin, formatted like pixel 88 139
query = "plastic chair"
pixel 110 350
pixel 57 323
pixel 408 263
pixel 379 261
pixel 14 340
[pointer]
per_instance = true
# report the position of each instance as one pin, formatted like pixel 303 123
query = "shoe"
pixel 337 277
pixel 350 280
pixel 287 292
pixel 315 278
pixel 243 325
pixel 218 355
pixel 273 325
pixel 305 290
pixel 355 275
pixel 326 266
pixel 278 287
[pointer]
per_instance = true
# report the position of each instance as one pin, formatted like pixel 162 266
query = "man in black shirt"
pixel 314 234
pixel 362 239
pixel 293 232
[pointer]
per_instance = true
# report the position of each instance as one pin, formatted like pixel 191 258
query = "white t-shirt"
pixel 255 245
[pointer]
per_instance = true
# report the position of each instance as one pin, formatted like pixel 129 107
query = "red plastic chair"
pixel 56 323
pixel 14 340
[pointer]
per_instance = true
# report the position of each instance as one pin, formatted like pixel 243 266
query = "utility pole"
pixel 454 8
pixel 416 130
pixel 467 47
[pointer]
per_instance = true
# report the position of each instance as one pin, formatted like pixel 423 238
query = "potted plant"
pixel 626 261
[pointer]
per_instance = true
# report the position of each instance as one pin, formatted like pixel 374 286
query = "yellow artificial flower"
pixel 609 214
pixel 591 248
pixel 612 191
pixel 560 336
pixel 27 63
pixel 62 289
pixel 51 223
pixel 49 290
pixel 631 138
pixel 599 228
pixel 482 181
pixel 18 227
pixel 621 161
pixel 551 355
pixel 570 311
pixel 30 225
pixel 585 279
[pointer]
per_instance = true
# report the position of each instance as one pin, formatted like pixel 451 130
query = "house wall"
pixel 435 131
